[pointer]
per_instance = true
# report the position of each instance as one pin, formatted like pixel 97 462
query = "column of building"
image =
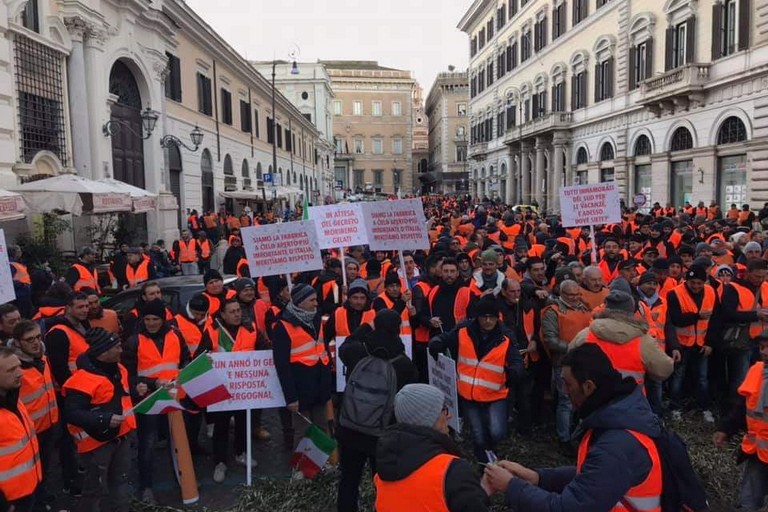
pixel 556 179
pixel 80 122
pixel 525 170
pixel 538 194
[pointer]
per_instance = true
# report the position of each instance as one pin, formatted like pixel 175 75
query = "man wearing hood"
pixel 232 258
pixel 38 396
pixel 393 297
pixel 618 460
pixel 419 467
pixel 97 408
pixel 153 356
pixel 380 340
pixel 488 361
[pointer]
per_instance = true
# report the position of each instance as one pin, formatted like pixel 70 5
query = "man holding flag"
pixel 228 333
pixel 153 357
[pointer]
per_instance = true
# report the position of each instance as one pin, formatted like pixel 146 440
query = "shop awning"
pixel 74 194
pixel 143 200
pixel 12 206
pixel 244 195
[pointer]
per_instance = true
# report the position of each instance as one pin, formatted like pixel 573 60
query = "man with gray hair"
pixel 593 289
pixel 419 467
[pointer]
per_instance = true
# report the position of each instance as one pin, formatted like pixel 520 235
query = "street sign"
pixel 339 185
pixel 639 199
pixel 267 178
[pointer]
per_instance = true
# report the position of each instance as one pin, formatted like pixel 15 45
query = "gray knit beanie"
pixel 419 405
pixel 753 246
pixel 620 301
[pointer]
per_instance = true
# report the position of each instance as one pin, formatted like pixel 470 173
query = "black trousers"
pixel 221 434
pixel 352 466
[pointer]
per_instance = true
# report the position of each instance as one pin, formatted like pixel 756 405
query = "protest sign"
pixel 341 370
pixel 282 248
pixel 339 225
pixel 442 375
pixel 396 225
pixel 7 293
pixel 590 205
pixel 251 379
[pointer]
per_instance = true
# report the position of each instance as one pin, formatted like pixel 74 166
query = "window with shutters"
pixel 378 178
pixel 606 152
pixel 640 66
pixel 540 33
pixel 604 80
pixel 501 63
pixel 678 39
pixel 501 16
pixel 511 114
pixel 473 47
pixel 731 131
pixel 512 55
pixel 558 20
pixel 681 140
pixel 580 11
pixel 579 91
pixel 490 29
pixel 731 20
pixel 270 130
pixel 279 131
pixel 30 16
pixel 226 107
pixel 378 146
pixel 245 117
pixel 289 140
pixel 525 45
pixel 173 80
pixel 558 97
pixel 512 8
pixel 481 39
pixel 359 148
pixel 500 127
pixel 204 97
pixel 490 73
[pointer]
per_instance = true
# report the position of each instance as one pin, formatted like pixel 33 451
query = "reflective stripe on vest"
pixel 20 469
pixel 481 380
pixel 626 358
pixel 87 278
pixel 305 349
pixel 205 249
pixel 190 331
pixel 405 325
pixel 693 334
pixel 645 497
pixel 77 344
pixel 38 396
pixel 421 491
pixel 756 438
pixel 152 364
pixel 188 251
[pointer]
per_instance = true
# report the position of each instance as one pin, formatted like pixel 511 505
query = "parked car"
pixel 177 291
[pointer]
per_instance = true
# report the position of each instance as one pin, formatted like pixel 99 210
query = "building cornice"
pixel 468 21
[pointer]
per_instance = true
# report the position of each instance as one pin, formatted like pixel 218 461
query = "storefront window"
pixel 581 178
pixel 682 182
pixel 606 175
pixel 643 182
pixel 732 180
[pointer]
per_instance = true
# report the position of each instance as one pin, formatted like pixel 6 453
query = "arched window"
pixel 228 166
pixel 581 157
pixel 681 140
pixel 258 170
pixel 206 169
pixel 642 146
pixel 287 176
pixel 606 152
pixel 731 131
pixel 246 172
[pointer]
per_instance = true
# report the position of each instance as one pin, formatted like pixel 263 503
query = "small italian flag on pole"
pixel 159 402
pixel 305 208
pixel 203 383
pixel 312 452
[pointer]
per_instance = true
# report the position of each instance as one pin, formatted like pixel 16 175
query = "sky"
pixel 416 35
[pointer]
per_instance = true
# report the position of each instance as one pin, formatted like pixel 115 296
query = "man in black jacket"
pixel 418 448
pixel 355 447
pixel 328 287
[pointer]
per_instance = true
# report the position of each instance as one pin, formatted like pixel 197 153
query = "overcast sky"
pixel 417 35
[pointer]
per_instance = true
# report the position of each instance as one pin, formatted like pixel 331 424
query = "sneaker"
pixel 209 431
pixel 708 416
pixel 263 434
pixel 220 473
pixel 297 476
pixel 677 415
pixel 242 459
pixel 148 497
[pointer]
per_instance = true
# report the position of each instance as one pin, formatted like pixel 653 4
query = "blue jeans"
pixel 692 361
pixel 564 409
pixel 754 485
pixel 488 424
pixel 653 391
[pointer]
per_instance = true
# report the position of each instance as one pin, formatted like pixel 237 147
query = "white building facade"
pixel 666 98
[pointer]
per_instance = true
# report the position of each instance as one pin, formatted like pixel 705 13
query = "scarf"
pixel 651 300
pixel 762 401
pixel 307 318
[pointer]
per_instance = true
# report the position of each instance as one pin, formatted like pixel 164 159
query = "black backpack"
pixel 369 398
pixel 681 489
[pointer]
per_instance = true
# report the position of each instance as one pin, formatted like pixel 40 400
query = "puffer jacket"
pixel 617 327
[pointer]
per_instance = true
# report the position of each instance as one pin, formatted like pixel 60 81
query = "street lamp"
pixel 171 140
pixel 148 121
pixel 293 54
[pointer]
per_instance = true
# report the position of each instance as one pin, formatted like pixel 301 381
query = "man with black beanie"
pixel 215 291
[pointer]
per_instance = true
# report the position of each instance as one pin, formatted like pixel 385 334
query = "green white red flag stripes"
pixel 312 452
pixel 159 402
pixel 203 383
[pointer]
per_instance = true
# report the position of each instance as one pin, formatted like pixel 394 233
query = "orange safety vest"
pixel 656 325
pixel 193 223
pixel 569 324
pixel 421 334
pixel 38 396
pixel 241 265
pixel 101 390
pixel 304 348
pixel 22 274
pixel 592 299
pixel 693 334
pixel 77 344
pixel 529 326
pixel 743 216
pixel 138 275
pixel 421 491
pixel 460 305
pixel 154 365
pixel 341 321
pixel 405 325
pixel 20 468
pixel 608 274
pixel 748 301
pixel 211 221
pixel 214 303
pixel 756 439
pixel 108 321
pixel 243 342
pixel 664 289
pixel 205 249
pixel 647 495
pixel 87 279
pixel 190 331
pixel 188 251
pixel 625 357
pixel 511 232
pixel 733 214
pixel 48 312
pixel 481 380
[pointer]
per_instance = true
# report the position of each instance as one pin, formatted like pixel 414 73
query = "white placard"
pixel 282 248
pixel 7 293
pixel 251 380
pixel 590 205
pixel 442 375
pixel 396 225
pixel 339 225
pixel 341 369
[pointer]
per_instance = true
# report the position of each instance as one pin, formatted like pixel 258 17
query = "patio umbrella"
pixel 12 206
pixel 74 194
pixel 143 200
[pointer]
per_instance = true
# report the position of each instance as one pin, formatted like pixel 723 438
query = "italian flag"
pixel 159 402
pixel 202 383
pixel 312 452
pixel 226 343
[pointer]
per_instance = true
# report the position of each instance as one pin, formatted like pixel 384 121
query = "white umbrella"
pixel 12 206
pixel 64 192
pixel 143 200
